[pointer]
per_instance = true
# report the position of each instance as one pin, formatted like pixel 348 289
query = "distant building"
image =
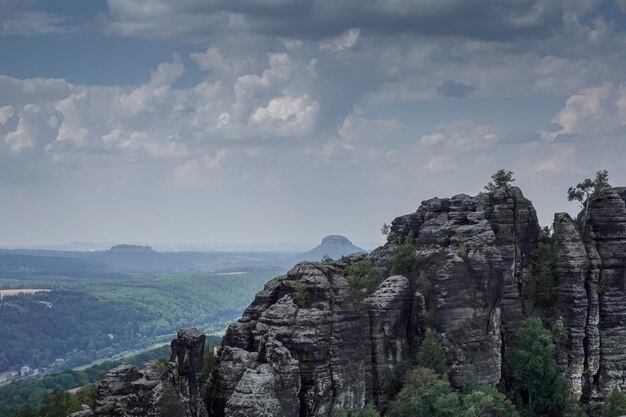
pixel 3 379
pixel 36 372
pixel 111 336
pixel 14 374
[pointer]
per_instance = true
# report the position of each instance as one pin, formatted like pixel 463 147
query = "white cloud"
pixel 593 111
pixel 223 66
pixel 286 116
pixel 346 40
pixel 5 114
pixel 32 129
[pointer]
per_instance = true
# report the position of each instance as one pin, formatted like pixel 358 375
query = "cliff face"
pixel 591 272
pixel 338 349
pixel 310 345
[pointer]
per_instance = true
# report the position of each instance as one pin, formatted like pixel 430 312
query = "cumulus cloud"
pixel 286 116
pixel 36 126
pixel 593 111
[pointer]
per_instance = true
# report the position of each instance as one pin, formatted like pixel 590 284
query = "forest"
pixel 85 319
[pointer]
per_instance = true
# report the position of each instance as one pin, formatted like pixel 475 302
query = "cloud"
pixel 195 20
pixel 5 114
pixel 33 23
pixel 455 89
pixel 35 126
pixel 460 135
pixel 346 40
pixel 286 116
pixel 596 110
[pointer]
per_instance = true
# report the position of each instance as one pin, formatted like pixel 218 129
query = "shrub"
pixel 431 355
pixel 161 366
pixel 404 257
pixel 300 293
pixel 615 404
pixel 361 275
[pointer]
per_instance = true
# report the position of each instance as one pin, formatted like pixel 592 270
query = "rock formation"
pixel 338 349
pixel 152 392
pixel 310 344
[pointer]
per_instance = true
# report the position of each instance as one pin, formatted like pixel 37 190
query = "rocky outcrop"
pixel 591 273
pixel 335 348
pixel 312 343
pixel 188 359
pixel 306 357
pixel 156 391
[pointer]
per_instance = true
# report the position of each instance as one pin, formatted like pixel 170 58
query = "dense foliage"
pixel 404 257
pixel 542 387
pixel 543 268
pixel 615 404
pixel 361 275
pixel 431 355
pixel 82 320
pixel 428 394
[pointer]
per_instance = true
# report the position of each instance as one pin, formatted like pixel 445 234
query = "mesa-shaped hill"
pixel 332 246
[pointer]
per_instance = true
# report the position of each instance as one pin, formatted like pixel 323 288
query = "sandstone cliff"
pixel 310 345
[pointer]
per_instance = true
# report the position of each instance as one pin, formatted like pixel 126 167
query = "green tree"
pixel 431 355
pixel 404 257
pixel 369 411
pixel 588 191
pixel 361 275
pixel 486 401
pixel 543 388
pixel 615 404
pixel 425 394
pixel 501 179
pixel 55 403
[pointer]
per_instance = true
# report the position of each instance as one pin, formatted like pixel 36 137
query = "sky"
pixel 275 122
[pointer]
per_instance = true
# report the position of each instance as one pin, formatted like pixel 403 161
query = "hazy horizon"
pixel 198 123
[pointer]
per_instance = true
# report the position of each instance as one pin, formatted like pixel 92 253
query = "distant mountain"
pixel 334 246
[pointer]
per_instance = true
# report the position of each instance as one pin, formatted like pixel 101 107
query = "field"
pixel 7 293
